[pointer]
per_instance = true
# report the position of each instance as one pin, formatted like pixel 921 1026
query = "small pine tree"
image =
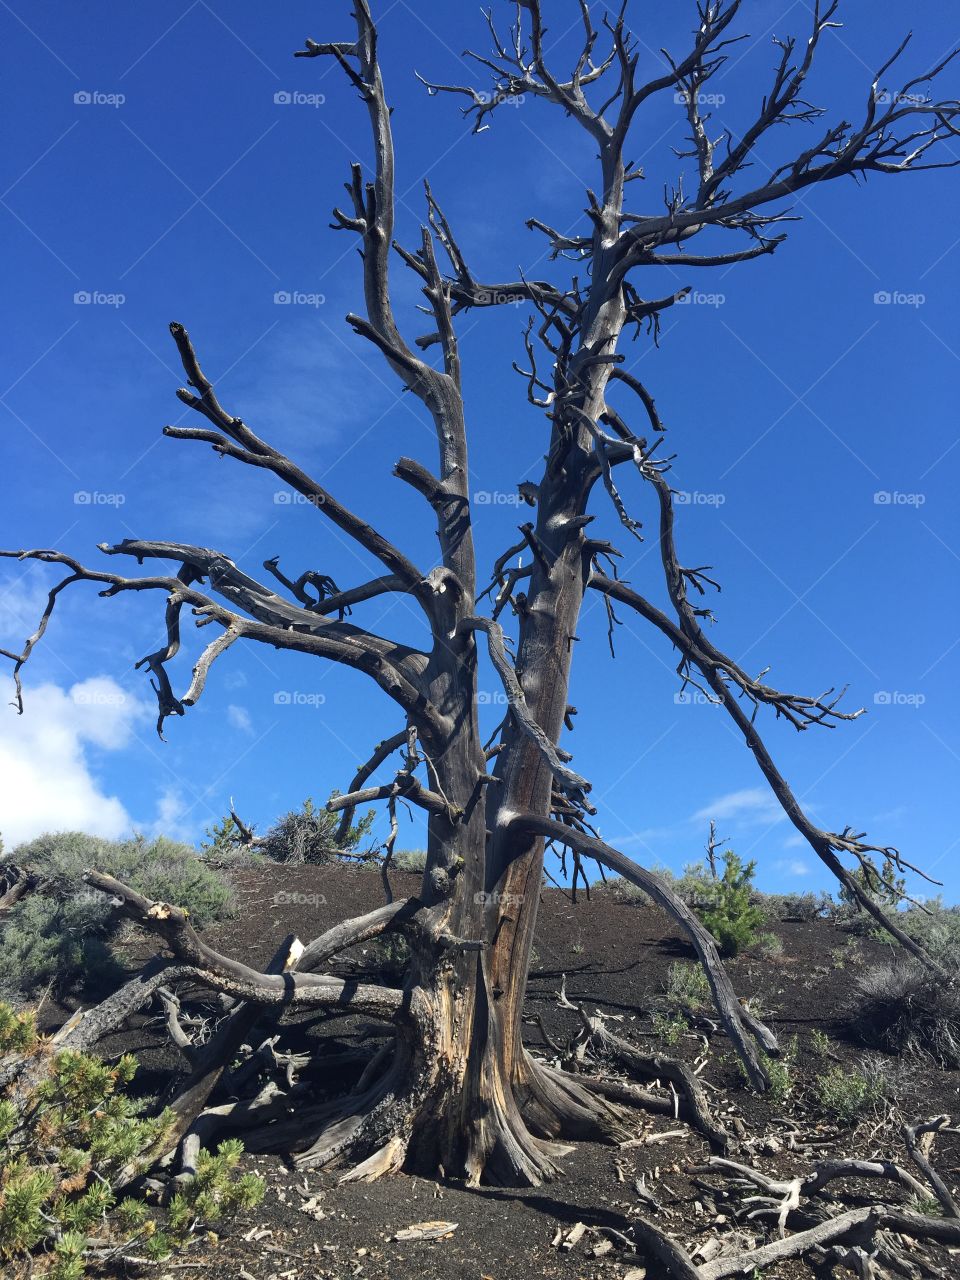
pixel 225 839
pixel 730 912
pixel 66 1132
pixel 884 886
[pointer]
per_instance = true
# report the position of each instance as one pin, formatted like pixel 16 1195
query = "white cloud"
pixel 892 815
pixel 793 866
pixel 644 836
pixel 46 782
pixel 173 818
pixel 239 718
pixel 754 804
pixel 795 841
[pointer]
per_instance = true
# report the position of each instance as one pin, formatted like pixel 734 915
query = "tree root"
pixel 556 1103
pixel 692 1104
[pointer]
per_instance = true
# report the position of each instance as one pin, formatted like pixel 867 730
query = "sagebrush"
pixel 62 931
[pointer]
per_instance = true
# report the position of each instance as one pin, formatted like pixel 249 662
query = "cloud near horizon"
pixel 47 782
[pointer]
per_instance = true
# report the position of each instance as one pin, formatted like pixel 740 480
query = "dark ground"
pixel 616 956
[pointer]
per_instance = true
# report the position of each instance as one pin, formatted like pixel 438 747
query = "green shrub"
pixel 780 1075
pixel 730 912
pixel 687 990
pixel 819 1042
pixel 626 891
pixel 46 939
pixel 159 868
pixel 805 907
pixel 695 885
pixel 226 844
pixel 937 929
pixel 769 946
pixel 669 1027
pixel 410 860
pixel 64 1138
pixel 900 1006
pixel 387 957
pixel 883 884
pixel 845 1094
pixel 62 930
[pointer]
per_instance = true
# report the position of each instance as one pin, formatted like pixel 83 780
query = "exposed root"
pixel 389 1159
pixel 555 1103
pixel 621 1091
pixel 692 1101
pixel 437 1094
pixel 503 1151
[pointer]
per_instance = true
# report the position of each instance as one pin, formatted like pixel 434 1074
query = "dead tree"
pixel 457 1089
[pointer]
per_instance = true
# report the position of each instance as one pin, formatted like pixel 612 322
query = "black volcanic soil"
pixel 616 956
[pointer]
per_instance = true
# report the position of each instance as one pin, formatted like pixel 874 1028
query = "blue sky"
pixel 178 187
